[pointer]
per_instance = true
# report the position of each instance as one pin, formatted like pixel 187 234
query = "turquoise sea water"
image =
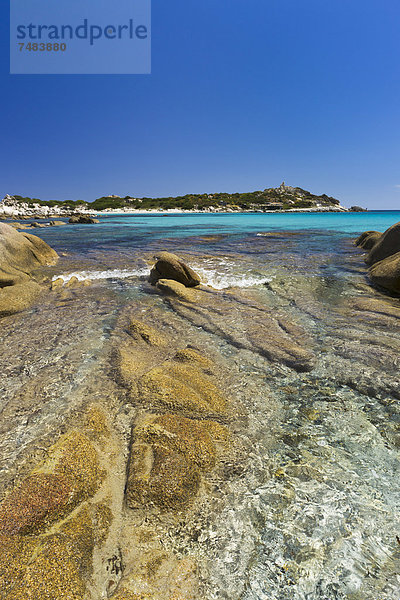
pixel 309 507
pixel 136 231
pixel 351 223
pixel 227 249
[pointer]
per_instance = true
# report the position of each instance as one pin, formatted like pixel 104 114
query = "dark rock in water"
pixel 357 209
pixel 20 255
pixel 169 266
pixel 281 341
pixel 83 220
pixel 368 239
pixel 388 244
pixel 386 273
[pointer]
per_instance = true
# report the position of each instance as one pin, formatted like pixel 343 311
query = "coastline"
pixel 217 211
pixel 284 199
pixel 44 213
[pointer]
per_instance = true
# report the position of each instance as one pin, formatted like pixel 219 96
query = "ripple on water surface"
pixel 315 514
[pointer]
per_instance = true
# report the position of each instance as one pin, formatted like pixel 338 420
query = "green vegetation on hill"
pixel 51 203
pixel 107 202
pixel 282 198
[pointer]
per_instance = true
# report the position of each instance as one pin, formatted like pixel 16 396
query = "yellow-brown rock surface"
pixel 20 255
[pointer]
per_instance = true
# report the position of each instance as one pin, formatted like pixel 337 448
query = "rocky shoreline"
pixel 16 208
pixel 12 209
pixel 20 255
pixel 68 512
pixel 171 211
pixel 153 448
pixel 38 214
pixel 383 257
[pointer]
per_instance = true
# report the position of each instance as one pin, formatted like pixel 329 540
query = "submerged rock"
pixel 71 475
pixel 15 554
pixel 381 308
pixel 161 574
pixel 83 220
pixel 388 244
pixel 39 500
pixel 181 387
pixel 143 332
pixel 160 476
pixel 184 383
pixel 386 273
pixel 171 450
pixel 54 567
pixel 191 356
pixel 49 525
pixel 169 266
pixel 174 288
pixel 18 297
pixel 247 324
pixel 167 458
pixel 186 436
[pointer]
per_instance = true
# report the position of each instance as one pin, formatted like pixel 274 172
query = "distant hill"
pixel 284 197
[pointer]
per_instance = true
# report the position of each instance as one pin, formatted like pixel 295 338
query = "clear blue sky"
pixel 243 94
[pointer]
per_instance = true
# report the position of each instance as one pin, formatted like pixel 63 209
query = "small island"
pixel 284 198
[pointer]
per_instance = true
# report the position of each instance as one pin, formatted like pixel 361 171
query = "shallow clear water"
pixel 314 513
pixel 115 248
pixel 139 231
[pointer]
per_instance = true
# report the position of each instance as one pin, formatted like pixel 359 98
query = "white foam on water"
pixel 210 277
pixel 222 281
pixel 109 274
